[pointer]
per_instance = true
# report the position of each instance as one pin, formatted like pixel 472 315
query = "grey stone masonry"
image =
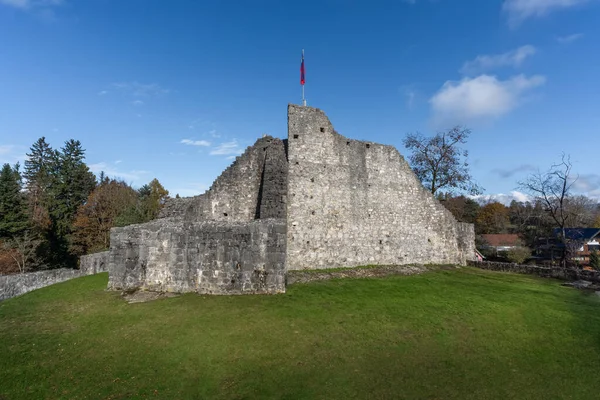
pixel 18 284
pixel 94 263
pixel 258 174
pixel 353 203
pixel 210 257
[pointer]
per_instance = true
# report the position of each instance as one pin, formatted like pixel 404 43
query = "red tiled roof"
pixel 502 239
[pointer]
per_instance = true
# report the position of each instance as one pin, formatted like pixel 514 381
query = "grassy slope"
pixel 465 334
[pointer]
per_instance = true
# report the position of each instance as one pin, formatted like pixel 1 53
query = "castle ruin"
pixel 316 200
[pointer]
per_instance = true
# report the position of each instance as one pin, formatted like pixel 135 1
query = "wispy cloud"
pixel 137 103
pixel 140 89
pixel 28 4
pixel 504 198
pixel 483 97
pixel 588 184
pixel 512 58
pixel 191 142
pixel 569 38
pixel 520 10
pixel 12 154
pixel 509 173
pixel 227 149
pixel 102 92
pixel 113 172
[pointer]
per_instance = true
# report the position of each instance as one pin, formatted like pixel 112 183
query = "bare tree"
pixel 553 189
pixel 439 162
pixel 26 247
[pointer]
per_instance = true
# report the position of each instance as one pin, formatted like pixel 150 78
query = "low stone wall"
pixel 18 284
pixel 94 263
pixel 210 257
pixel 569 274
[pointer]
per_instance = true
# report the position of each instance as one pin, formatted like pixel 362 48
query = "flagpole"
pixel 303 99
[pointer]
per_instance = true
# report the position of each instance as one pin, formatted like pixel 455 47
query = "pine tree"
pixel 39 167
pixel 74 183
pixel 13 216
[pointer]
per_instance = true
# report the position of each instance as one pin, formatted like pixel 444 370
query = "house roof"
pixel 502 239
pixel 578 233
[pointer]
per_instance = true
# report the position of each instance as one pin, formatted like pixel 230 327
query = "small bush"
pixel 518 254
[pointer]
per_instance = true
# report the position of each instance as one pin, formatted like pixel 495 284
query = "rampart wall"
pixel 353 203
pixel 210 257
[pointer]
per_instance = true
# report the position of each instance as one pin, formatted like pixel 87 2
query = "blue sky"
pixel 175 89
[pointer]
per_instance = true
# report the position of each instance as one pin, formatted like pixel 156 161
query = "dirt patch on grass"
pixel 142 297
pixel 367 272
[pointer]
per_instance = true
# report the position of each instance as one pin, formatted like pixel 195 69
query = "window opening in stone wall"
pixel 322 129
pixel 348 143
pixel 312 212
pixel 224 214
pixel 296 136
pixel 368 146
pixel 312 179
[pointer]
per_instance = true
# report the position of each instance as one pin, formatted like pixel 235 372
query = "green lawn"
pixel 451 334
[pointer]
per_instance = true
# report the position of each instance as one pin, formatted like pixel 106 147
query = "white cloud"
pixel 520 10
pixel 27 4
pixel 113 172
pixel 512 58
pixel 140 89
pixel 502 197
pixel 12 154
pixel 137 103
pixel 569 38
pixel 102 92
pixel 483 97
pixel 227 149
pixel 16 3
pixel 190 142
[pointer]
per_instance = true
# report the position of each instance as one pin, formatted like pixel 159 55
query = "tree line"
pixel 55 209
pixel 441 166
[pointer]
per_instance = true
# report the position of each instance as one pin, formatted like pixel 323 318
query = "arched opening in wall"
pixel 368 146
pixel 322 129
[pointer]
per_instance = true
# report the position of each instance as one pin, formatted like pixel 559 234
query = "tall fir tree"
pixel 13 215
pixel 74 183
pixel 39 167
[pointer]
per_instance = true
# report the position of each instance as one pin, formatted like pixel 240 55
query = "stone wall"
pixel 94 263
pixel 568 274
pixel 210 257
pixel 18 284
pixel 254 184
pixel 353 203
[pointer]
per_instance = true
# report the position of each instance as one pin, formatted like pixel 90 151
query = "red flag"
pixel 302 79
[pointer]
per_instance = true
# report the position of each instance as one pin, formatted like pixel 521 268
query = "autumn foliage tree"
pixel 493 218
pixel 91 229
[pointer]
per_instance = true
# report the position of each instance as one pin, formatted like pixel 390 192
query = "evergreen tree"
pixel 39 167
pixel 74 183
pixel 13 216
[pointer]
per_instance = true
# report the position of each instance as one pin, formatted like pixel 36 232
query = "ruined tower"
pixel 315 200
